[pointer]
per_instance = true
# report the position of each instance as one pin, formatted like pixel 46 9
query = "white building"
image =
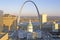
pixel 30 27
pixel 44 18
pixel 58 26
pixel 55 28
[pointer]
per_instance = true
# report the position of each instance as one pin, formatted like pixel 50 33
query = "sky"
pixel 50 7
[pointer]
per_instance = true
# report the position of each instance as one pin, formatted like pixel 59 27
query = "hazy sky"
pixel 50 7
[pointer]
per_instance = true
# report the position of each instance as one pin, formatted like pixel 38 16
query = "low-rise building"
pixel 9 22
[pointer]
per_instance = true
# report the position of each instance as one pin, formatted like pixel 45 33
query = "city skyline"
pixel 50 7
pixel 29 19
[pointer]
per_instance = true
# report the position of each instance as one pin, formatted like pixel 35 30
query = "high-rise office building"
pixel 1 20
pixel 44 18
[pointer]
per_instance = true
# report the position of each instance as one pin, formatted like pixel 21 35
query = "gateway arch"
pixel 39 16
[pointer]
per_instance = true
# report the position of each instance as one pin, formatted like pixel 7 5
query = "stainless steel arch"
pixel 39 16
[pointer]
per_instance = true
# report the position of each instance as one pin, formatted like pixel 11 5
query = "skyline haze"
pixel 50 7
